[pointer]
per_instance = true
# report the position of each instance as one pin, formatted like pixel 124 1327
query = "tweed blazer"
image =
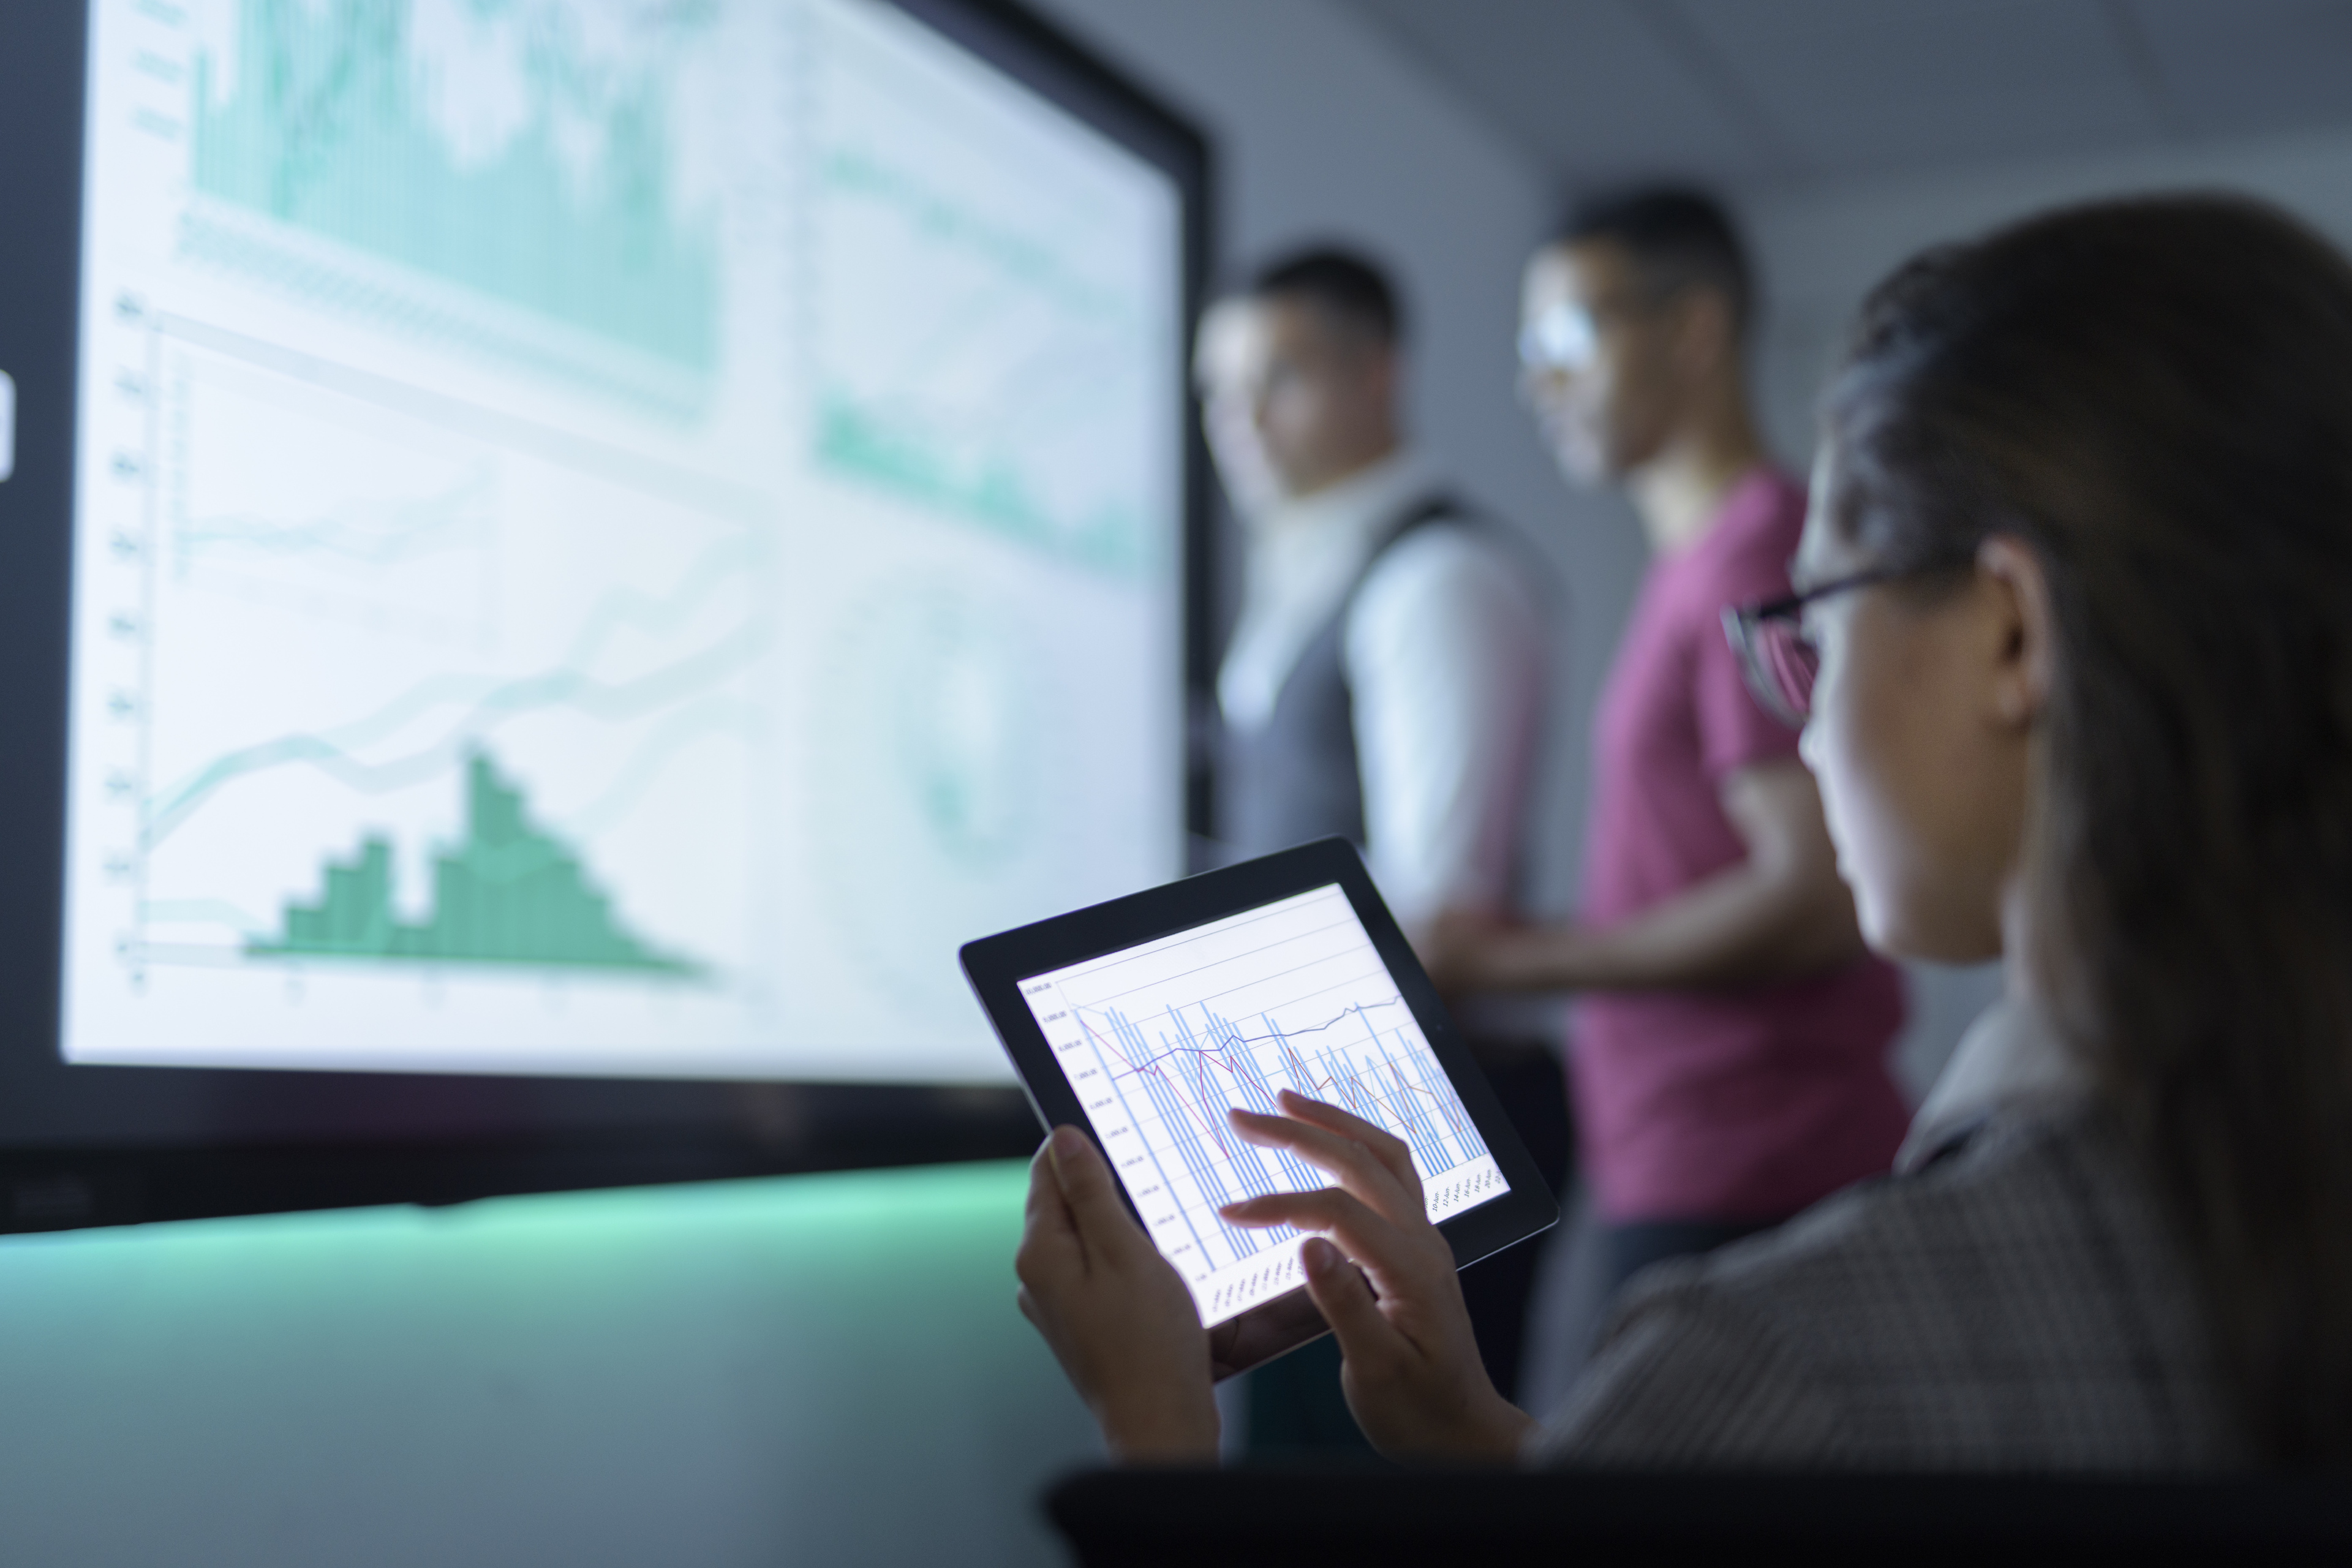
pixel 2013 1302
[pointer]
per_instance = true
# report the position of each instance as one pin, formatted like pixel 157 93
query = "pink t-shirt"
pixel 1734 1104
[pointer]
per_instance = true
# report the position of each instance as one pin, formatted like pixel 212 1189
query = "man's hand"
pixel 1410 1363
pixel 1453 946
pixel 1778 914
pixel 1119 1318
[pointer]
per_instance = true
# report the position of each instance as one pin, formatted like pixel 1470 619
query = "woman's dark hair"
pixel 2156 397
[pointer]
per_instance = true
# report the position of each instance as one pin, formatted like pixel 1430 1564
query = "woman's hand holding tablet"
pixel 1117 1314
pixel 1122 1321
pixel 1385 1282
pixel 1182 1221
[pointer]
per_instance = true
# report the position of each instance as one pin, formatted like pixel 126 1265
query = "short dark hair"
pixel 1678 237
pixel 1348 284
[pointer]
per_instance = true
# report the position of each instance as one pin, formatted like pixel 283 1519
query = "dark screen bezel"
pixel 996 967
pixel 93 1145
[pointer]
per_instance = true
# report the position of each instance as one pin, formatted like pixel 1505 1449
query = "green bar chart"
pixel 506 894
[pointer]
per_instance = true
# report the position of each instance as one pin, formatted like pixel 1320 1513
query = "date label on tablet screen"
pixel 1159 1041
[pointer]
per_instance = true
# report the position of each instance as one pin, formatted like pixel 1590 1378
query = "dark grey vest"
pixel 1295 778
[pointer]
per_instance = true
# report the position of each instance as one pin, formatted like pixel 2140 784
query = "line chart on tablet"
pixel 1163 1039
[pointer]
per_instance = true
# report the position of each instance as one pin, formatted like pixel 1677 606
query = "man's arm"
pixel 1445 655
pixel 1779 913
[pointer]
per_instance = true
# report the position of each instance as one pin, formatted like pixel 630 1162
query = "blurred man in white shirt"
pixel 1384 681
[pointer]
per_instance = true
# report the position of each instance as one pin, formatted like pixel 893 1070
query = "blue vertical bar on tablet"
pixel 1247 1159
pixel 1213 1125
pixel 1255 1094
pixel 1176 1120
pixel 1131 1039
pixel 1261 1097
pixel 1428 1152
pixel 1465 1131
pixel 1170 1115
pixel 1424 1110
pixel 1192 1063
pixel 1302 1076
pixel 1410 1110
pixel 1352 1097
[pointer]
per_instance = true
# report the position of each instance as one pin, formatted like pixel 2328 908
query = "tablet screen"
pixel 1160 1039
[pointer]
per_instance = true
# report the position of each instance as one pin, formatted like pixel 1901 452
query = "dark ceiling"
pixel 1766 92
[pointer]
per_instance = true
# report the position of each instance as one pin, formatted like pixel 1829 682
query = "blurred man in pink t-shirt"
pixel 1729 1054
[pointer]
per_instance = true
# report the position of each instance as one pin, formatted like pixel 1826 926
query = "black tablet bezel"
pixel 996 965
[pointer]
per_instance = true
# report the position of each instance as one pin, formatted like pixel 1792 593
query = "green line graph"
pixel 568 688
pixel 367 533
pixel 483 700
pixel 327 128
pixel 508 894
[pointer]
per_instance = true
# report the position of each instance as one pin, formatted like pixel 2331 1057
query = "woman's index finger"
pixel 1386 1146
pixel 1353 1160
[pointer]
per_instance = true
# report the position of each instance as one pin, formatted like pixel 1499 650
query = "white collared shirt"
pixel 1445 652
pixel 2009 1057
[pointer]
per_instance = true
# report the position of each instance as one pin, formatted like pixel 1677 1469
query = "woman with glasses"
pixel 2072 649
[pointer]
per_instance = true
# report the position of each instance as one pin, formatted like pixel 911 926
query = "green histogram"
pixel 325 129
pixel 509 894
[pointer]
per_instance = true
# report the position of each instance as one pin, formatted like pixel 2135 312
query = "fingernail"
pixel 1318 1255
pixel 1066 1141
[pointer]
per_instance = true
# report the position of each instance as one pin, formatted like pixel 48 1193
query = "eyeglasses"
pixel 1777 658
pixel 1567 336
pixel 1562 338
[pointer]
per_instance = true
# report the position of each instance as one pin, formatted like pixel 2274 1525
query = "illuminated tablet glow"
pixel 1162 1039
pixel 609 538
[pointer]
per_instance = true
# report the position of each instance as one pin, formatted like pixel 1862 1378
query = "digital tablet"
pixel 1145 1019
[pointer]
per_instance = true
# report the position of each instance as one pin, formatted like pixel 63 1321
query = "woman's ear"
pixel 2008 568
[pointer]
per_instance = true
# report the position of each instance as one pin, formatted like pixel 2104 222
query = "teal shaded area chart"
pixel 866 442
pixel 979 340
pixel 323 121
pixel 509 894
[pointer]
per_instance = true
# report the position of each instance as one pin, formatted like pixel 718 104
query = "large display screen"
pixel 610 536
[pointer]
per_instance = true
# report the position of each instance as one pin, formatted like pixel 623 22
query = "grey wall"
pixel 1824 248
